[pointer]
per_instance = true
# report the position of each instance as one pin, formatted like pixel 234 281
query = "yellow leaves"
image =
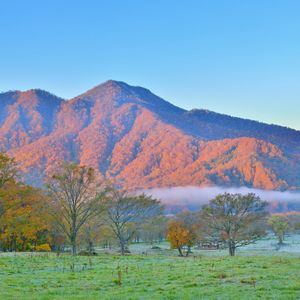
pixel 23 216
pixel 179 235
pixel 43 248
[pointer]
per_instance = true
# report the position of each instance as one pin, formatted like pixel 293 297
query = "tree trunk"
pixel 280 239
pixel 122 246
pixel 90 247
pixel 74 250
pixel 73 243
pixel 180 251
pixel 188 251
pixel 122 241
pixel 73 234
pixel 14 244
pixel 232 248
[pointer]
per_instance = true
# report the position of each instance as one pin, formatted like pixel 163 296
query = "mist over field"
pixel 194 197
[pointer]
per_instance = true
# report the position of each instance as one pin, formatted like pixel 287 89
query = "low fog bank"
pixel 194 197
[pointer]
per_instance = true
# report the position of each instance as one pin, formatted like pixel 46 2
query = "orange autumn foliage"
pixel 140 141
pixel 23 218
pixel 179 235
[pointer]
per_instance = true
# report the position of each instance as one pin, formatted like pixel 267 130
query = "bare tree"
pixel 76 199
pixel 124 211
pixel 236 219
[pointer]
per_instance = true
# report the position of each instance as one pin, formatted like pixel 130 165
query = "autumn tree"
pixel 180 235
pixel 280 226
pixel 123 212
pixel 8 169
pixel 24 221
pixel 23 218
pixel 76 199
pixel 236 219
pixel 191 222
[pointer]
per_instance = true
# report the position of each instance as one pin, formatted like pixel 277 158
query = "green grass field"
pixel 149 277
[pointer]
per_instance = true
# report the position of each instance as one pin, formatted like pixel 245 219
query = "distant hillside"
pixel 141 141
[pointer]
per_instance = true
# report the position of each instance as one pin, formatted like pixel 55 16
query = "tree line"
pixel 77 208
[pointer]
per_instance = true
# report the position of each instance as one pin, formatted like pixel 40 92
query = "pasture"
pixel 153 276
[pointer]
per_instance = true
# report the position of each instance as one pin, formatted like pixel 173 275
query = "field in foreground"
pixel 148 277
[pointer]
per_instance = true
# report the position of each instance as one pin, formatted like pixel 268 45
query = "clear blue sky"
pixel 237 57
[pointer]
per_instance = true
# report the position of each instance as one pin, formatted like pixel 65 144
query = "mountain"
pixel 139 140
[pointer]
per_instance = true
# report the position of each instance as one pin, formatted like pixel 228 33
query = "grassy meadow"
pixel 107 276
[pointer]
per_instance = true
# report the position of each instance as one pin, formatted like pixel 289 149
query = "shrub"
pixel 43 248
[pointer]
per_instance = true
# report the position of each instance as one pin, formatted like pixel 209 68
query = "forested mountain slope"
pixel 139 140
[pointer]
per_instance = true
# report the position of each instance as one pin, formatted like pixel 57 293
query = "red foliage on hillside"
pixel 138 140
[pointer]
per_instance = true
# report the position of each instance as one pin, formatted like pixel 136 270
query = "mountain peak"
pixel 107 88
pixel 119 92
pixel 111 82
pixel 140 140
pixel 115 85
